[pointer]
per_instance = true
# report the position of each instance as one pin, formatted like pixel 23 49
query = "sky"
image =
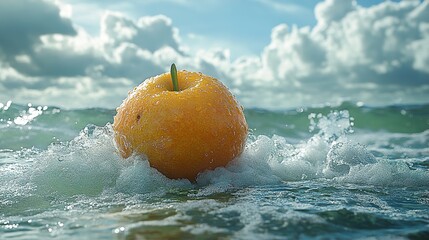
pixel 243 26
pixel 272 54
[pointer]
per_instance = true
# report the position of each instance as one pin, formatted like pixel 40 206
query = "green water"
pixel 340 172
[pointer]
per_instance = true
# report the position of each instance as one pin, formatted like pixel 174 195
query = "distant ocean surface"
pixel 347 171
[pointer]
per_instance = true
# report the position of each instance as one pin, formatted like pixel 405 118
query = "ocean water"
pixel 346 171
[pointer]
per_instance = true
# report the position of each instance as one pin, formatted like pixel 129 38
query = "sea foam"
pixel 90 164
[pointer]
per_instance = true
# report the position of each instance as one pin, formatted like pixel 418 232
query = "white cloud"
pixel 376 55
pixel 23 22
pixel 333 10
pixel 149 33
pixel 379 55
pixel 83 70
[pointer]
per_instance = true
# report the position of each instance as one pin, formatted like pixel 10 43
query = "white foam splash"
pixel 90 164
pixel 29 115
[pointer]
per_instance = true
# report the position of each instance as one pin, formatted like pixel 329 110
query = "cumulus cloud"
pixel 150 33
pixel 23 22
pixel 379 55
pixel 333 10
pixel 73 69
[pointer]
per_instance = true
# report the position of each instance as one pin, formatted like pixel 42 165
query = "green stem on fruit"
pixel 173 72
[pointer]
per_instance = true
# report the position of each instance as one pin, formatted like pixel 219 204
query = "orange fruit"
pixel 182 133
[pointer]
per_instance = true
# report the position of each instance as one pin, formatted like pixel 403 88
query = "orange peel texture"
pixel 182 133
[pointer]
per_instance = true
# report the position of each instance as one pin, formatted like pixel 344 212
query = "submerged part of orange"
pixel 185 132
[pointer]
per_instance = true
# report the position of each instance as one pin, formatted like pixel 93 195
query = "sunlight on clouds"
pixel 150 32
pixel 23 22
pixel 333 10
pixel 377 55
pixel 348 51
pixel 66 10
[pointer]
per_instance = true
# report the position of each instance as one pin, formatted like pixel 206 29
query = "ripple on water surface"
pixel 331 184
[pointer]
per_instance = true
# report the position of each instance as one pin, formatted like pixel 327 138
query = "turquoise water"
pixel 347 171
